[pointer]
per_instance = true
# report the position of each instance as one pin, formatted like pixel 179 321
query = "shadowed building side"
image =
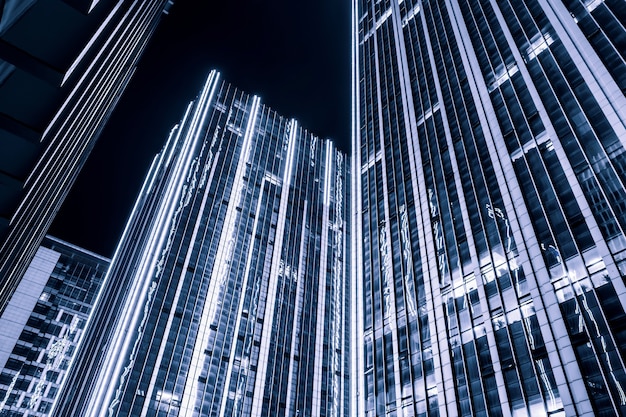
pixel 63 67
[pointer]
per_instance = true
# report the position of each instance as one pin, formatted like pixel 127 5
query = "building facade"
pixel 63 66
pixel 43 324
pixel 489 169
pixel 228 293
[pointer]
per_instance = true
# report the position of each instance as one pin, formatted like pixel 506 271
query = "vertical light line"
pixel 337 287
pixel 252 246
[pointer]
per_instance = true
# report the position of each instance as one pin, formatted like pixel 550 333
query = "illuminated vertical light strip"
pixel 259 386
pixel 245 358
pixel 43 197
pixel 296 309
pixel 321 285
pixel 327 173
pixel 222 266
pixel 356 302
pixel 84 87
pixel 142 280
pixel 91 41
pixel 203 108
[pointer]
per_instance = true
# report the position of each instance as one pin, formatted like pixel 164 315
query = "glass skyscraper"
pixel 489 177
pixel 43 323
pixel 228 293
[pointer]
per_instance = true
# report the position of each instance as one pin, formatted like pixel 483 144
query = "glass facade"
pixel 43 324
pixel 228 293
pixel 490 167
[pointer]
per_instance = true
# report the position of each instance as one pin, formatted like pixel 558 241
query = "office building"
pixel 228 292
pixel 63 66
pixel 490 208
pixel 43 324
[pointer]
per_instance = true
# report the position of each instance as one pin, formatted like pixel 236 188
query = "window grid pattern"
pixel 495 278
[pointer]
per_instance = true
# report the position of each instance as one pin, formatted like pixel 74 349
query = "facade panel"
pixel 488 152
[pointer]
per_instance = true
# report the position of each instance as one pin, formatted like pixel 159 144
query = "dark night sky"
pixel 294 55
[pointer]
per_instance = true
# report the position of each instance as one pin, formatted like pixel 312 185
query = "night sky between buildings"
pixel 294 55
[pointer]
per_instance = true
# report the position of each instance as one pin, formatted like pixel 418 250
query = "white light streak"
pixel 327 172
pixel 290 153
pixel 133 354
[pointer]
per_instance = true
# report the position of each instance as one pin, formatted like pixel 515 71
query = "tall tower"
pixel 227 294
pixel 63 66
pixel 489 170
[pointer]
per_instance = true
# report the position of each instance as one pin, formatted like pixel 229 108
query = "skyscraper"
pixel 63 66
pixel 488 175
pixel 43 323
pixel 228 293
